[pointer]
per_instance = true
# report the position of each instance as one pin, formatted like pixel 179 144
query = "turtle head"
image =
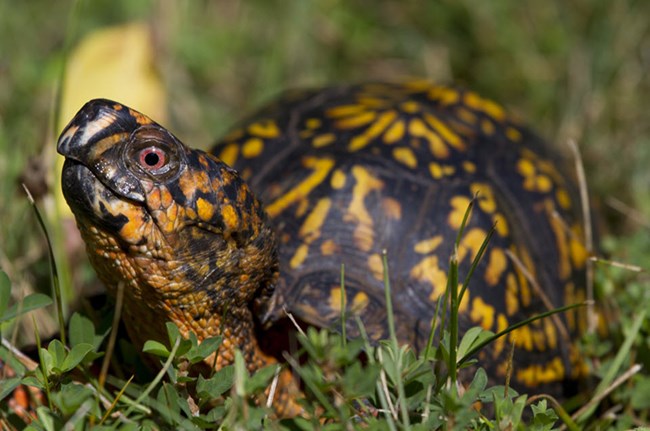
pixel 176 225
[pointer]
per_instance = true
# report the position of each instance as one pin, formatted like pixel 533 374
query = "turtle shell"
pixel 351 174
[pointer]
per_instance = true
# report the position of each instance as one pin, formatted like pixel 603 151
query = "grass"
pixel 573 69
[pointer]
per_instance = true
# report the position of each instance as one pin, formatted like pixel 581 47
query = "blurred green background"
pixel 573 69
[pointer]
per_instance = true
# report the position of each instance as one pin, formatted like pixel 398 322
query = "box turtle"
pixel 228 242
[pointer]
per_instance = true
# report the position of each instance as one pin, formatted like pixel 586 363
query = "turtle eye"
pixel 152 158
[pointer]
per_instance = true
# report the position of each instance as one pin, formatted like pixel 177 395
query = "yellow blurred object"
pixel 114 63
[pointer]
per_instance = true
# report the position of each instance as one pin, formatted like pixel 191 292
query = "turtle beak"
pixel 93 139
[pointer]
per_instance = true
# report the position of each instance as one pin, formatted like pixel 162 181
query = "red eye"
pixel 152 158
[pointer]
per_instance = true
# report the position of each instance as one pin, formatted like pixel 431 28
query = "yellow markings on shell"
pixel 252 148
pixel 497 263
pixel 410 106
pixel 564 262
pixel 392 208
pixel 438 171
pixel 526 168
pixel 511 294
pixel 302 207
pixel 355 121
pixel 335 299
pixel 264 129
pixel 536 374
pixel 459 206
pixel 419 129
pixel 345 111
pixel 405 156
pixel 428 271
pixel 522 337
pixel 466 115
pixel 371 102
pixel 359 302
pixel 446 96
pixel 482 313
pixel 313 123
pixel 500 224
pixel 230 218
pixel 357 212
pixel 299 256
pixel 485 199
pixel 376 129
pixel 311 228
pixel 533 180
pixel 563 199
pixel 338 179
pixel 487 127
pixel 478 103
pixel 471 242
pixel 469 167
pixel 550 333
pixel 570 298
pixel 321 168
pixel 323 140
pixel 376 266
pixel 204 209
pixel 499 343
pixel 513 134
pixel 443 130
pixel 429 245
pixel 395 132
pixel 328 247
pixel 524 288
pixel 578 251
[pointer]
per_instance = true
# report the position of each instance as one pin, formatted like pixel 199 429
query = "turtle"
pixel 232 241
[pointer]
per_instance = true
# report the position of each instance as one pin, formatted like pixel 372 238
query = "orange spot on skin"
pixel 230 218
pixel 205 209
pixel 392 208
